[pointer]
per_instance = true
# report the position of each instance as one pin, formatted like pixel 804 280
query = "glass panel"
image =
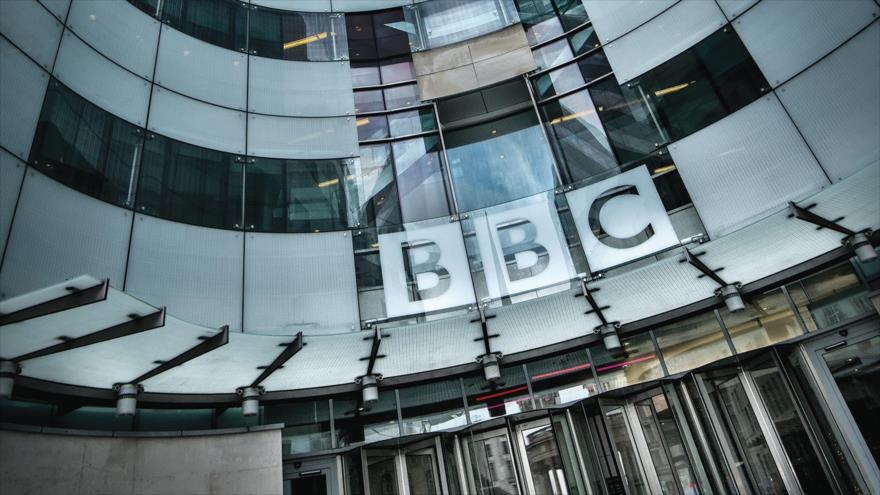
pixel 368 101
pixel 830 297
pixel 542 459
pixel 571 76
pixel 571 12
pixel 578 136
pixel 562 379
pixel 509 153
pixel 544 30
pixel 792 433
pixel 414 122
pixel 222 23
pixel 353 474
pixel 854 369
pixel 432 407
pixel 379 420
pixel 635 363
pixel 509 395
pixel 383 474
pixel 691 343
pixel 631 124
pixel 307 36
pixel 86 148
pixel 296 195
pixel 767 319
pixel 665 446
pixel 186 183
pixel 307 425
pixel 585 40
pixel 443 22
pixel 422 472
pixel 173 419
pixel 371 127
pixel 371 191
pixel 552 54
pixel 539 19
pixel 624 452
pixel 700 86
pixel 397 70
pixel 347 422
pixel 492 464
pixel 402 96
pixel 105 418
pixel 420 178
pixel 365 74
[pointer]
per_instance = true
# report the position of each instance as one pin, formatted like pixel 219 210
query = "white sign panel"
pixel 522 246
pixel 621 219
pixel 425 269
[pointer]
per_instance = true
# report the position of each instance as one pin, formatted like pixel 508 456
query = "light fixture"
pixel 862 247
pixel 328 183
pixel 305 41
pixel 250 400
pixel 608 332
pixel 126 398
pixel 8 370
pixel 732 297
pixel 491 365
pixel 672 89
pixel 369 388
pixel 362 122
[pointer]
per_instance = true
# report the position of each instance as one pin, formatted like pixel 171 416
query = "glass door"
pixel 631 476
pixel 422 470
pixel 665 446
pixel 383 472
pixel 542 465
pixel 311 476
pixel 846 365
pixel 489 463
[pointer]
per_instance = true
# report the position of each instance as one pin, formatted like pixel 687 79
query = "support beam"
pixel 374 349
pixel 75 299
pixel 699 265
pixel 484 327
pixel 289 351
pixel 808 216
pixel 133 326
pixel 594 307
pixel 208 345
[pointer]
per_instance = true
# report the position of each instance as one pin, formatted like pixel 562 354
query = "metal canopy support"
pixel 699 265
pixel 135 325
pixel 484 326
pixel 76 298
pixel 374 350
pixel 207 345
pixel 807 216
pixel 289 351
pixel 594 306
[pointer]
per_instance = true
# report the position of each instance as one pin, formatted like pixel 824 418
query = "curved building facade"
pixel 441 246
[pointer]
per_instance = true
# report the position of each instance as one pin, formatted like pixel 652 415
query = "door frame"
pixel 637 441
pixel 467 440
pixel 328 466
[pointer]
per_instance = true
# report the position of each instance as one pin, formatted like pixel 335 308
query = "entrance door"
pixel 543 470
pixel 665 446
pixel 490 464
pixel 423 469
pixel 632 479
pixel 312 476
pixel 847 368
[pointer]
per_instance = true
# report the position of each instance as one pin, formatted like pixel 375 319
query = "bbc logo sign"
pixel 521 247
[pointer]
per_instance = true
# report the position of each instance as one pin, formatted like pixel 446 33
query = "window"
pixel 571 76
pixel 219 22
pixel 420 181
pixel 306 36
pixel 562 379
pixel 443 22
pixel 691 343
pixel 635 362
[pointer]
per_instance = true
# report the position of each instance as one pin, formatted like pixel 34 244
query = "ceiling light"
pixel 672 89
pixel 363 121
pixel 664 168
pixel 328 183
pixel 304 41
pixel 566 118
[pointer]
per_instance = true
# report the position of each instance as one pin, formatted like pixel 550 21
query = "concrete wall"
pixel 236 463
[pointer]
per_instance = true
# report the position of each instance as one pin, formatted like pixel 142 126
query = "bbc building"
pixel 419 247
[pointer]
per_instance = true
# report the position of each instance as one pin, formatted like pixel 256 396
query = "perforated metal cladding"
pixel 305 89
pixel 773 32
pixel 194 122
pixel 733 8
pixel 59 233
pixel 302 137
pixel 300 282
pixel 745 166
pixel 201 70
pixel 615 18
pixel 836 105
pixel 32 28
pixel 11 174
pixel 118 30
pixel 326 360
pixel 24 86
pixel 663 37
pixel 416 348
pixel 58 8
pixel 194 271
pixel 102 82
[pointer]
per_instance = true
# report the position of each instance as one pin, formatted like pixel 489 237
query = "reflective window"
pixel 219 22
pixel 372 192
pixel 584 40
pixel 190 184
pixel 86 148
pixel 572 13
pixel 371 127
pixel 702 85
pixel 509 395
pixel 306 425
pixel 552 54
pixel 402 96
pixel 150 7
pixel 767 319
pixel 562 379
pixel 443 22
pixel 830 297
pixel 308 36
pixel 297 195
pixel 635 362
pixel 169 419
pixel 510 153
pixel 432 407
pixel 571 76
pixel 378 35
pixel 368 101
pixel 365 74
pixel 631 125
pixel 420 181
pixel 413 122
pixel 578 136
pixel 691 343
pixel 397 70
pixel 539 20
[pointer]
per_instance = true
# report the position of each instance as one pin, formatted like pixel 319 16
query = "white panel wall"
pixel 23 86
pixel 194 271
pixel 32 28
pixel 430 342
pixel 300 282
pixel 195 122
pixel 746 165
pixel 302 137
pixel 58 8
pixel 614 18
pixel 102 82
pixel 308 89
pixel 11 173
pixel 201 70
pixel 836 105
pixel 118 30
pixel 786 37
pixel 325 360
pixel 59 233
pixel 734 8
pixel 665 36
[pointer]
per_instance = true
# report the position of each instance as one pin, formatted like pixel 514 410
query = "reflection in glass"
pixel 492 464
pixel 365 74
pixel 305 36
pixel 420 178
pixel 402 96
pixel 412 122
pixel 768 319
pixel 88 149
pixel 371 127
pixel 397 70
pixel 383 473
pixel 562 379
pixel 222 23
pixel 830 297
pixel 509 153
pixel 543 460
pixel 635 363
pixel 632 125
pixel 443 22
pixel 665 446
pixel 571 76
pixel 307 425
pixel 578 136
pixel 422 472
pixel 297 195
pixel 368 101
pixel 552 54
pixel 691 343
pixel 431 407
pixel 509 395
pixel 371 190
pixel 584 40
pixel 187 183
pixel 624 453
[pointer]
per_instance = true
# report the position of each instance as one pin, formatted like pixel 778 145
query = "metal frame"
pixel 75 299
pixel 207 345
